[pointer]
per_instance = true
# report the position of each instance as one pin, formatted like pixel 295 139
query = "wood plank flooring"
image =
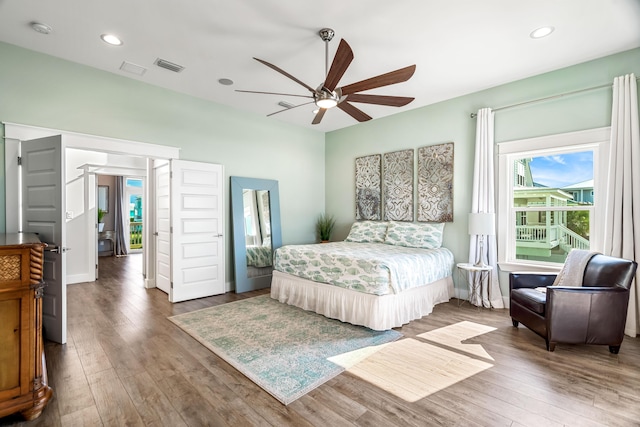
pixel 126 364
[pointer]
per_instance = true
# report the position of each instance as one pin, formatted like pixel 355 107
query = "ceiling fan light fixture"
pixel 326 103
pixel 326 99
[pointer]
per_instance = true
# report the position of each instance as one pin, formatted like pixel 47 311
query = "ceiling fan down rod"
pixel 326 34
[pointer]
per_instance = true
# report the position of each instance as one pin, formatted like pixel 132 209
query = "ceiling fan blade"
pixel 281 71
pixel 392 101
pixel 393 77
pixel 354 112
pixel 287 109
pixel 342 60
pixel 319 115
pixel 273 93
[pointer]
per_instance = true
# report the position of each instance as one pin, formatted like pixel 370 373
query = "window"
pixel 541 186
pixel 134 193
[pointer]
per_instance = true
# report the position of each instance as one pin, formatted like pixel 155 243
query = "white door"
pixel 163 228
pixel 43 191
pixel 197 241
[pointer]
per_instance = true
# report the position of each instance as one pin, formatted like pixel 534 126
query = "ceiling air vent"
pixel 169 65
pixel 286 104
pixel 132 68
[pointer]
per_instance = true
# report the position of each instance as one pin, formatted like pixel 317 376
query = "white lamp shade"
pixel 482 224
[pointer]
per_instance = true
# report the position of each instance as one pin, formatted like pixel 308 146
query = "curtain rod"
pixel 546 98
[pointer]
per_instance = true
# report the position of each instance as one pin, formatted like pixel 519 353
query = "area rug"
pixel 282 348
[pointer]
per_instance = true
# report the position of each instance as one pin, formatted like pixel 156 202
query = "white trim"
pixel 524 266
pixel 594 139
pixel 93 142
pixel 105 169
pixel 561 140
pixel 12 192
pixel 149 219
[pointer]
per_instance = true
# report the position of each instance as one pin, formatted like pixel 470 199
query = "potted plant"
pixel 101 213
pixel 324 227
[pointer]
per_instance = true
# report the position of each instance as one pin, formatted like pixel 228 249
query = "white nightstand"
pixel 475 277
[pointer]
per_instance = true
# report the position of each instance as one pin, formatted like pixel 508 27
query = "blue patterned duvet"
pixel 259 256
pixel 374 268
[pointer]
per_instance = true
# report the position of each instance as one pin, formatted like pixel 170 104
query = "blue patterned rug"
pixel 281 348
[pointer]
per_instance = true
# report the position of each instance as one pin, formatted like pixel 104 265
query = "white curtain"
pixel 483 200
pixel 622 218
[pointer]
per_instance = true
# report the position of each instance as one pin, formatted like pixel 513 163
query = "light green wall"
pixel 449 121
pixel 41 90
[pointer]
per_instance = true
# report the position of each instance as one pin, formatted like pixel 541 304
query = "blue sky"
pixel 563 169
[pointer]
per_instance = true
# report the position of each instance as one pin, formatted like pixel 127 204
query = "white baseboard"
pixel 149 283
pixel 464 295
pixel 80 278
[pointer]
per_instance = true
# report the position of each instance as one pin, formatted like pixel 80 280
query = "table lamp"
pixel 482 224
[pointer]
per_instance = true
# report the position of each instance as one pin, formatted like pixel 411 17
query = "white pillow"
pixel 367 232
pixel 415 235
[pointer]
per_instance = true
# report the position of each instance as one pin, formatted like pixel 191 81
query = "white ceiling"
pixel 459 46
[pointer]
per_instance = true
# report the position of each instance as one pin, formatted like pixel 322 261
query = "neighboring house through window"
pixel 134 194
pixel 548 196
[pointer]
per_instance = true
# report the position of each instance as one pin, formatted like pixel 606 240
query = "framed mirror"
pixel 103 198
pixel 255 214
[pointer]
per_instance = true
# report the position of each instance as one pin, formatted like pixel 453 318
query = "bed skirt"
pixel 376 312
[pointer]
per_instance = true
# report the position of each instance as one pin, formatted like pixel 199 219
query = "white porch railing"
pixel 135 235
pixel 551 236
pixel 572 240
pixel 536 233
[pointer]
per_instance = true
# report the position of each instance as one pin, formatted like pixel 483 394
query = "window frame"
pixel 596 140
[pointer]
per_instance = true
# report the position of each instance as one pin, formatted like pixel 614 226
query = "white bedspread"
pixel 373 268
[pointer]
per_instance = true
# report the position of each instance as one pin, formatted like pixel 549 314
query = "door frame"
pixel 14 133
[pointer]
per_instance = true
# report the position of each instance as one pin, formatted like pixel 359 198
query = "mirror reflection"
pixel 255 218
pixel 257 232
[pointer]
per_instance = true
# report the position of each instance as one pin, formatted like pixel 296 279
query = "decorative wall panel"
pixel 397 178
pixel 368 187
pixel 435 183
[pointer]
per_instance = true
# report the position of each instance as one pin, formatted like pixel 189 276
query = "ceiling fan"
pixel 328 95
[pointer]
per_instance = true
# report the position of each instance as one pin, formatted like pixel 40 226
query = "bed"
pixel 382 276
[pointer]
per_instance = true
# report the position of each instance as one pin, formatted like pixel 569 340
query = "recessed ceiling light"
pixel 541 32
pixel 41 28
pixel 226 82
pixel 111 39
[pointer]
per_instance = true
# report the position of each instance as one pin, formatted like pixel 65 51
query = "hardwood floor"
pixel 126 364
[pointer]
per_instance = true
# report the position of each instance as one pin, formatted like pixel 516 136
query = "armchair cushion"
pixel 530 280
pixel 530 299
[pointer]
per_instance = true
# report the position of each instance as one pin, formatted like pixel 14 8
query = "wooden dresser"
pixel 23 372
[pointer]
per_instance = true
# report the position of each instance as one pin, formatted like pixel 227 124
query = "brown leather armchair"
pixel 592 314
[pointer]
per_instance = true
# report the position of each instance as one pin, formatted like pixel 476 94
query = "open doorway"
pixel 134 193
pixel 120 206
